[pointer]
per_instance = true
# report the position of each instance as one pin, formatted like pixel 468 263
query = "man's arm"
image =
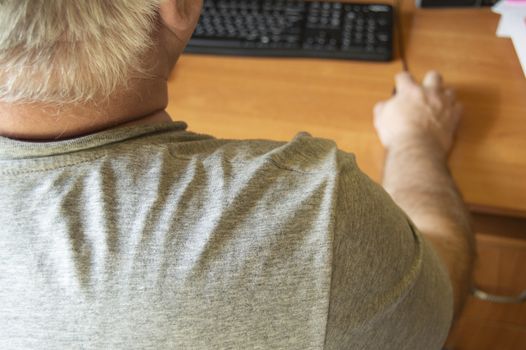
pixel 417 127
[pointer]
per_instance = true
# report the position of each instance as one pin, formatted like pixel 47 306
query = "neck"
pixel 143 103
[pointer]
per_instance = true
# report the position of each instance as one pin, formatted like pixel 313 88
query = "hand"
pixel 427 112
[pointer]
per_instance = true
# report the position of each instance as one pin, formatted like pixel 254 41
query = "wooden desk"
pixel 275 98
pixel 489 161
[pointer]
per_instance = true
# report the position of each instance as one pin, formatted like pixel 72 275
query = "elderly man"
pixel 119 229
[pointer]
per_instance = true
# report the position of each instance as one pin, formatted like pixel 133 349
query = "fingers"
pixel 433 80
pixel 378 108
pixel 404 81
pixel 444 96
pixel 458 109
pixel 450 96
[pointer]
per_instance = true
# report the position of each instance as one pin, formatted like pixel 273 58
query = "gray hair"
pixel 69 51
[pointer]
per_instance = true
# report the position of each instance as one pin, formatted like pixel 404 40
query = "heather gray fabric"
pixel 157 238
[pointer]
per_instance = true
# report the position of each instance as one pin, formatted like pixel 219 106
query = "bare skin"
pixel 143 102
pixel 417 127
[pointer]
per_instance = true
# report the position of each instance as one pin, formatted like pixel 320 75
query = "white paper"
pixel 504 7
pixel 518 36
pixel 513 24
pixel 498 7
pixel 510 13
pixel 503 29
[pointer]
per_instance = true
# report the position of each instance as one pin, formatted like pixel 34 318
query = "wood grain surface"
pixel 500 270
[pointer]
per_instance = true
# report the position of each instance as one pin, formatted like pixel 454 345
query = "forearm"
pixel 417 177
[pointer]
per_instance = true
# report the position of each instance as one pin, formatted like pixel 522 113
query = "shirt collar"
pixel 14 149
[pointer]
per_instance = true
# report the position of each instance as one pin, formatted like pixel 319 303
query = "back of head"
pixel 67 51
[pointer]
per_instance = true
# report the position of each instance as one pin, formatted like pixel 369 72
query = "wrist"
pixel 418 143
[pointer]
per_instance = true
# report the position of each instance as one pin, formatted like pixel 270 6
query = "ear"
pixel 181 16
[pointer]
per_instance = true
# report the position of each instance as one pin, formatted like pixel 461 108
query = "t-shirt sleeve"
pixel 389 290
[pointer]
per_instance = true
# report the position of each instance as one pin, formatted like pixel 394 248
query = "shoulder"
pixel 302 154
pixel 388 289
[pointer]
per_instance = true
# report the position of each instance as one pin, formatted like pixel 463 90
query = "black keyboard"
pixel 294 28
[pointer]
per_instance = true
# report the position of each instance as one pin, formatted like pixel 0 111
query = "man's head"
pixel 68 51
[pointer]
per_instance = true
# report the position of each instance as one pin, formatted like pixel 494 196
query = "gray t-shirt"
pixel 157 238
